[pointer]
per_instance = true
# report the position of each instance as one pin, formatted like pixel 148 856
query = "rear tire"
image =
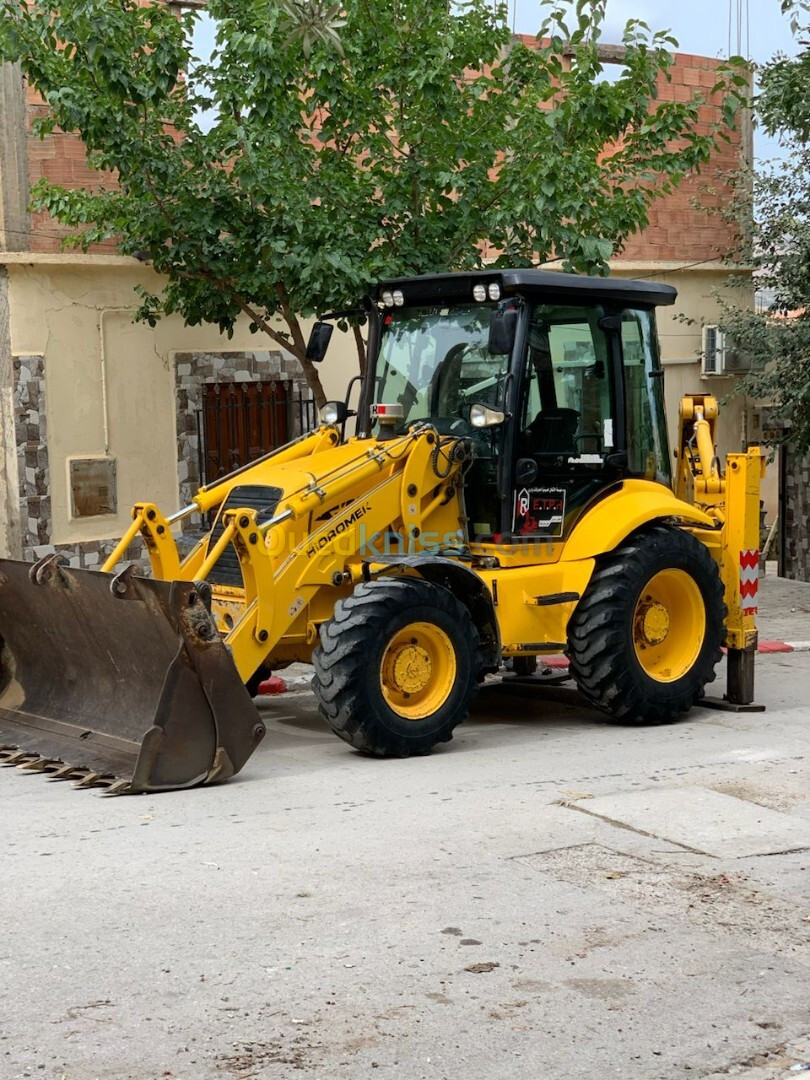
pixel 397 667
pixel 645 638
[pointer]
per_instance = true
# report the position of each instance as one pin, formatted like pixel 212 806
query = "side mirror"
pixel 502 330
pixel 319 341
pixel 525 471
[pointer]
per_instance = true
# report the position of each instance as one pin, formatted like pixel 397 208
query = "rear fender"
pixel 459 580
pixel 636 503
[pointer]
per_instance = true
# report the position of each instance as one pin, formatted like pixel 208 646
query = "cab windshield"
pixel 435 363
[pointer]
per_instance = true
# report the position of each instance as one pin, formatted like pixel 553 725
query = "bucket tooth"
pixel 118 787
pixel 36 764
pixel 54 765
pixel 65 772
pixel 15 757
pixel 90 779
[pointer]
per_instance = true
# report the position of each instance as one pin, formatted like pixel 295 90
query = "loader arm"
pixel 68 705
pixel 386 484
pixel 155 528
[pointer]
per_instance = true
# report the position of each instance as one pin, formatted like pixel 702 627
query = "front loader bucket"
pixel 119 681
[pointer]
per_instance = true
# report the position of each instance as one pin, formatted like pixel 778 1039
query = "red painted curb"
pixel 774 646
pixel 763 647
pixel 273 685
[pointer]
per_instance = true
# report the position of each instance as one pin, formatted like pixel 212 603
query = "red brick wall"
pixel 687 225
pixel 60 158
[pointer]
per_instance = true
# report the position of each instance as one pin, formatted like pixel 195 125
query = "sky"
pixel 701 26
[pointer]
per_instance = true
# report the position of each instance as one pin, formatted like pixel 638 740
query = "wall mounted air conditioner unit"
pixel 713 360
pixel 721 354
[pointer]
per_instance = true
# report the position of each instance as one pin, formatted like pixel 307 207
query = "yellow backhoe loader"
pixel 509 493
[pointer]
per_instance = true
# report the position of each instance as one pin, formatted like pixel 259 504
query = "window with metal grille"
pixel 241 421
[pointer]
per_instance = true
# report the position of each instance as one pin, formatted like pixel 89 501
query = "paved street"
pixel 548 896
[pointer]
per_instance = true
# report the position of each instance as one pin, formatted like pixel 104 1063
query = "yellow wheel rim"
pixel 418 670
pixel 669 625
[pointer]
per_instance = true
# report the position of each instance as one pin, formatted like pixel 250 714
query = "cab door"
pixel 568 435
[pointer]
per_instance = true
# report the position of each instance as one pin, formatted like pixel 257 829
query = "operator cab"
pixel 554 378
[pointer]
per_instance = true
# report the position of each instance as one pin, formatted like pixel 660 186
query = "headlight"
pixel 398 298
pixel 494 291
pixel 387 298
pixel 484 416
pixel 329 413
pixel 479 292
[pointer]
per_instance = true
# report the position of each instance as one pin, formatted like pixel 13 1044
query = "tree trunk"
pixel 313 380
pixel 361 349
pixel 298 347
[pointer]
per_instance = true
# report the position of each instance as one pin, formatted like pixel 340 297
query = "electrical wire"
pixel 739 16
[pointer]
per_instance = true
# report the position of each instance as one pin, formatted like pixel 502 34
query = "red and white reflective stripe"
pixel 749 580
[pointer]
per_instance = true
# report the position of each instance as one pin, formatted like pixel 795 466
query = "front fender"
pixel 610 521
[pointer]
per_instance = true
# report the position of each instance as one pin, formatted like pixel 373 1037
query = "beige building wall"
pixel 109 383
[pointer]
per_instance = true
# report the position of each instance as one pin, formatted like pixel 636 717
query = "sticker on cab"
pixel 539 510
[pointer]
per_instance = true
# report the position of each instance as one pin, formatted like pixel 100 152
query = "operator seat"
pixel 553 431
pixel 443 391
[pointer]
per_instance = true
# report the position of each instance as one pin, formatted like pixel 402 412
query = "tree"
pixel 783 102
pixel 350 143
pixel 777 337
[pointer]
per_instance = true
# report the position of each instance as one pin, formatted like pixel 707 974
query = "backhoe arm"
pixel 731 497
pixel 699 480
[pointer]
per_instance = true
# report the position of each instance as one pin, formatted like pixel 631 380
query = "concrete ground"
pixel 546 896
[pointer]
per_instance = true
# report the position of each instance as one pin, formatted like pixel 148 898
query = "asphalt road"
pixel 547 896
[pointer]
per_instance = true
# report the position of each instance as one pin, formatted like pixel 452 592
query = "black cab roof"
pixel 539 284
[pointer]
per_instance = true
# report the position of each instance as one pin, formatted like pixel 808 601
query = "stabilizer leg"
pixel 739 695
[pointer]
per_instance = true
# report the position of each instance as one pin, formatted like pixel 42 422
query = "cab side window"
pixel 647 450
pixel 567 404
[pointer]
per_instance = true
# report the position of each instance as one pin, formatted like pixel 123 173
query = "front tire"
pixel 645 639
pixel 397 667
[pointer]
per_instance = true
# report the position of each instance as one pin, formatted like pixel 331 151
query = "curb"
pixel 762 647
pixel 783 646
pixel 276 685
pixel 273 685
